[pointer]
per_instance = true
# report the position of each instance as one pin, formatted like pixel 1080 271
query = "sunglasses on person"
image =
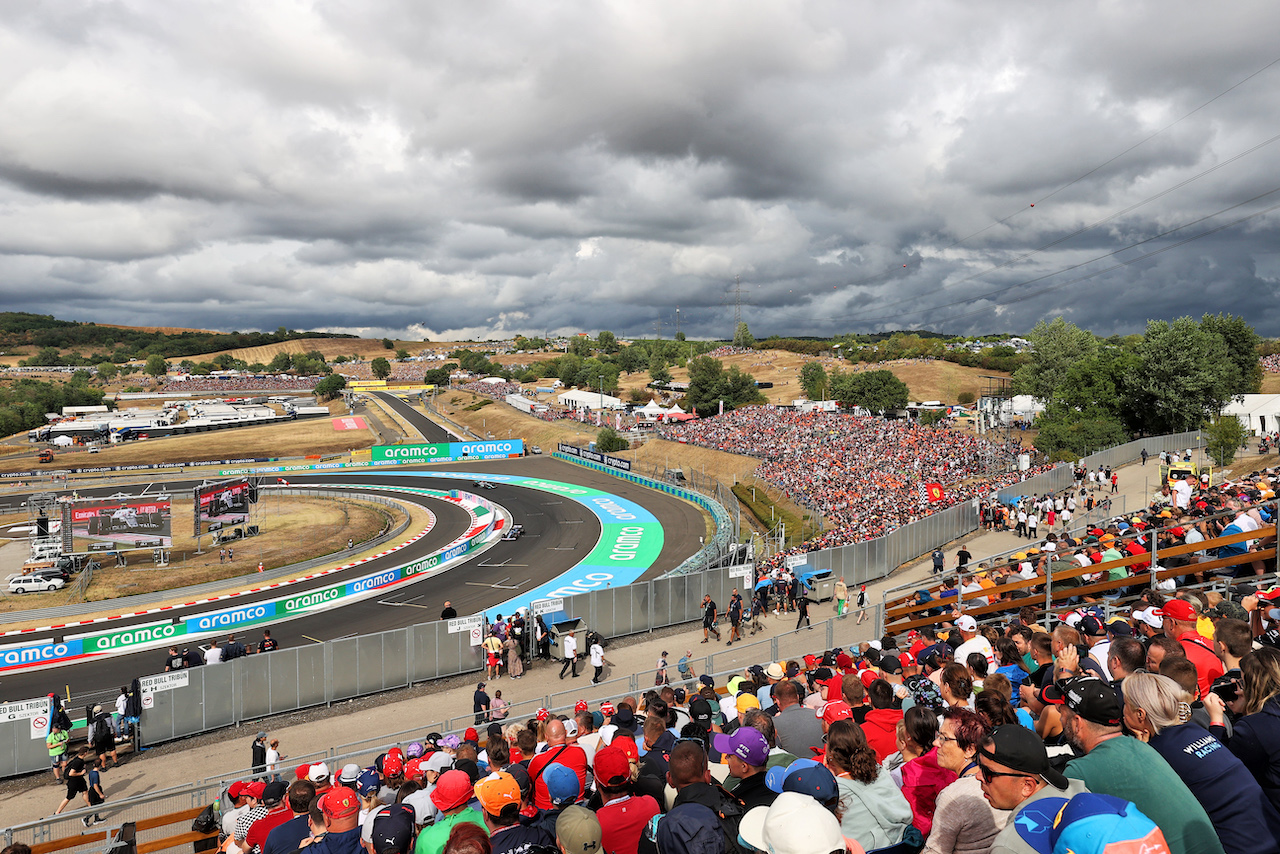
pixel 988 775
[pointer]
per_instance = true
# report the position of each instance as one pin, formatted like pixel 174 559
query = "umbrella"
pixel 763 583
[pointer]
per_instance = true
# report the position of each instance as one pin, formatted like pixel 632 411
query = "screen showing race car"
pixel 221 505
pixel 122 522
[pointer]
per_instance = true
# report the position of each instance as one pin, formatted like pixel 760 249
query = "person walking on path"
pixel 493 654
pixel 862 604
pixel 569 644
pixel 480 704
pixel 842 597
pixel 735 617
pixel 258 756
pixel 709 618
pixel 802 606
pixel 56 741
pixel 515 657
pixel 598 661
pixel 938 560
pixel 273 760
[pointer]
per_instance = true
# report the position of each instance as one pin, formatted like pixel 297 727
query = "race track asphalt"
pixel 558 534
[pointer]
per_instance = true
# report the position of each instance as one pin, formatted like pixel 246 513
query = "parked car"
pixel 25 583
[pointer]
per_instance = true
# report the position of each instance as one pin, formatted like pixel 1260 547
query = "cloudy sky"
pixel 484 168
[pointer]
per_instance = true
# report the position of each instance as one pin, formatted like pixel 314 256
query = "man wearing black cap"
pixel 1115 764
pixel 278 812
pixel 1014 771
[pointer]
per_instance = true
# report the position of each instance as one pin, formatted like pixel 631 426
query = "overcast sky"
pixel 479 169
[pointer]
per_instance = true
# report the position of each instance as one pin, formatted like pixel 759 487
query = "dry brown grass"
pixel 1270 383
pixel 291 439
pixel 294 529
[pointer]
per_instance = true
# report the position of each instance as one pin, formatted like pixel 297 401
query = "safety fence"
pixel 257 686
pixel 844 632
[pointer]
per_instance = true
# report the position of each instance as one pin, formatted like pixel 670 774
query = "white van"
pixel 46 550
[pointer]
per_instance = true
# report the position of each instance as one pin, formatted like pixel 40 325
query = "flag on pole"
pixel 617 421
pixel 597 418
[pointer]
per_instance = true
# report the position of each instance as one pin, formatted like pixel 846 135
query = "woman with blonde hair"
pixel 1158 711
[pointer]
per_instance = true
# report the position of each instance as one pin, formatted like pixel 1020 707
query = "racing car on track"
pixel 513 533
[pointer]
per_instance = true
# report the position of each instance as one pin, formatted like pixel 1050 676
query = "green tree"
pixel 876 391
pixel 742 336
pixel 1242 349
pixel 381 368
pixel 813 378
pixel 658 368
pixel 439 376
pixel 1224 436
pixel 388 344
pixel 1057 346
pixel 710 384
pixel 330 387
pixel 607 342
pixel 1182 376
pixel 280 363
pixel 107 370
pixel 1068 434
pixel 965 398
pixel 580 347
pixel 402 355
pixel 630 359
pixel 608 441
pixel 156 366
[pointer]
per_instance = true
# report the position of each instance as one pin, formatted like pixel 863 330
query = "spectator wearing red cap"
pixel 1180 623
pixel 244 796
pixel 340 808
pixel 623 813
pixel 275 812
pixel 452 796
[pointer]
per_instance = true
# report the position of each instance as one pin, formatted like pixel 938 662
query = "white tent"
pixel 651 411
pixel 62 441
pixel 675 410
pixel 1259 413
pixel 578 399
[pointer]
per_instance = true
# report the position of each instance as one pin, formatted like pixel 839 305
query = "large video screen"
pixel 137 522
pixel 221 505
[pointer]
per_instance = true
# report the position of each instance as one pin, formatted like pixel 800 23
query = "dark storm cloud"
pixel 491 168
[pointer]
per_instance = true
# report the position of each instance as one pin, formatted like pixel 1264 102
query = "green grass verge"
pixel 770 513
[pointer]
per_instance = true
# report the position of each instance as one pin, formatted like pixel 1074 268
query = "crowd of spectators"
pixel 864 474
pixel 956 737
pixel 219 385
pixel 497 391
pixel 400 371
pixel 1270 363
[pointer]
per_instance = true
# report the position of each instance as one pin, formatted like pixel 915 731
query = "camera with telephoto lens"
pixel 1226 687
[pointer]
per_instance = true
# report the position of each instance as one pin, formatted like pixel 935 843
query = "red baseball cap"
pixel 302 770
pixel 542 714
pixel 837 710
pixel 612 767
pixel 415 768
pixel 392 766
pixel 580 706
pixel 339 802
pixel 627 746
pixel 1178 609
pixel 471 735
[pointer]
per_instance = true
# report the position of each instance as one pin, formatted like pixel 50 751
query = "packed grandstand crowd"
pixel 1271 363
pixel 497 390
pixel 400 371
pixel 279 382
pixel 862 473
pixel 1154 723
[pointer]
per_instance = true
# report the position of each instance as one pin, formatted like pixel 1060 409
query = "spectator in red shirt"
pixel 1180 623
pixel 881 725
pixel 558 750
pixel 623 815
pixel 278 812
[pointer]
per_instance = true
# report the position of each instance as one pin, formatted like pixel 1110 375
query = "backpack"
pixel 100 731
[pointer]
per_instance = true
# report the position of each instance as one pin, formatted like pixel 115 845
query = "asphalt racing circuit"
pixel 559 534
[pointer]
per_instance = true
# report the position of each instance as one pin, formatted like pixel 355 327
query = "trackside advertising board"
pixel 595 457
pixel 447 452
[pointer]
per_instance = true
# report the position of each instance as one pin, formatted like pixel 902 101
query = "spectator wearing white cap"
pixel 318 774
pixel 973 642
